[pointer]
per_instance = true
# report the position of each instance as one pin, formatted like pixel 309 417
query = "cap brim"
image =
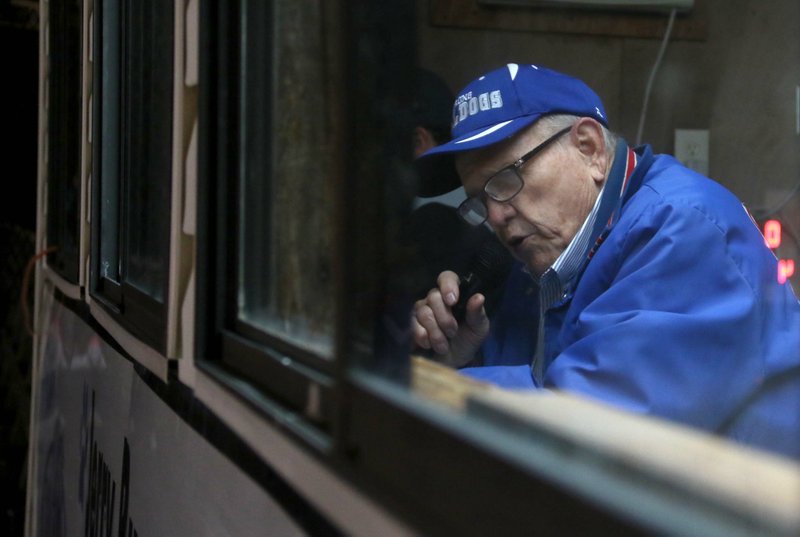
pixel 436 167
pixel 483 137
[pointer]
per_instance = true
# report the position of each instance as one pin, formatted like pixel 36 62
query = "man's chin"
pixel 537 266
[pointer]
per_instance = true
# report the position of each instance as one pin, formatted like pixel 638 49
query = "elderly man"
pixel 656 290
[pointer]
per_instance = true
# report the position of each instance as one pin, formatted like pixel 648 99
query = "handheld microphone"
pixel 489 269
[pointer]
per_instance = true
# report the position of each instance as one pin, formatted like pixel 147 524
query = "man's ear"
pixel 588 138
pixel 423 141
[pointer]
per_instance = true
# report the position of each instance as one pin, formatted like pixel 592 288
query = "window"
pixel 132 162
pixel 306 278
pixel 268 148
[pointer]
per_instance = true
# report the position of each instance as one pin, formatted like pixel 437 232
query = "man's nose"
pixel 498 212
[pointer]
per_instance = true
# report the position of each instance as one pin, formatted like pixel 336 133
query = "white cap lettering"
pixel 462 111
pixel 496 99
pixel 473 106
pixel 483 101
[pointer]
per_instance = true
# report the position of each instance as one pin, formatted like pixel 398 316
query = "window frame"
pixel 140 313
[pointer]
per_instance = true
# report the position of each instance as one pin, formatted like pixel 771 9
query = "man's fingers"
pixel 476 314
pixel 442 315
pixel 434 327
pixel 419 333
pixel 447 283
pixel 430 334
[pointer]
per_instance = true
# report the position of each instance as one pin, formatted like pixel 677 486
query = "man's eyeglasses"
pixel 502 186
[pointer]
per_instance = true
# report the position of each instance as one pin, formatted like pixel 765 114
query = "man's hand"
pixel 434 326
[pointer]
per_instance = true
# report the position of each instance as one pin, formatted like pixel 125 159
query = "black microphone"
pixel 489 269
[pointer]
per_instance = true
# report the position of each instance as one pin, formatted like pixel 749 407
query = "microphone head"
pixel 492 262
pixel 489 270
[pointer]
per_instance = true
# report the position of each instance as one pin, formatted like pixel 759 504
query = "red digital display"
pixel 785 269
pixel 772 236
pixel 772 232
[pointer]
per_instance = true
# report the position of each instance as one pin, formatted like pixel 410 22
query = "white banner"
pixel 112 458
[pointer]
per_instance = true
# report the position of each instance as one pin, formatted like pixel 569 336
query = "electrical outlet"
pixel 691 148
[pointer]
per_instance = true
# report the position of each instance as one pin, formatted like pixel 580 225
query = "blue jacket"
pixel 677 312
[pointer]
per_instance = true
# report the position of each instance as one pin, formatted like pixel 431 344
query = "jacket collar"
pixel 625 178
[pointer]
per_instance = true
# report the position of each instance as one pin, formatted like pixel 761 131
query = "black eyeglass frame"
pixel 476 206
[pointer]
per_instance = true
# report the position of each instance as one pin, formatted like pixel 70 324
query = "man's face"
pixel 561 185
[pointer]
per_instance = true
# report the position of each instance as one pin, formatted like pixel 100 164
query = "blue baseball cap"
pixel 498 105
pixel 502 102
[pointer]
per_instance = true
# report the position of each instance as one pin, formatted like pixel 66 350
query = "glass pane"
pixel 110 139
pixel 286 198
pixel 672 308
pixel 149 159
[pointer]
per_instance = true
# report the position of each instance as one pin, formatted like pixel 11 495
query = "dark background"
pixel 19 71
